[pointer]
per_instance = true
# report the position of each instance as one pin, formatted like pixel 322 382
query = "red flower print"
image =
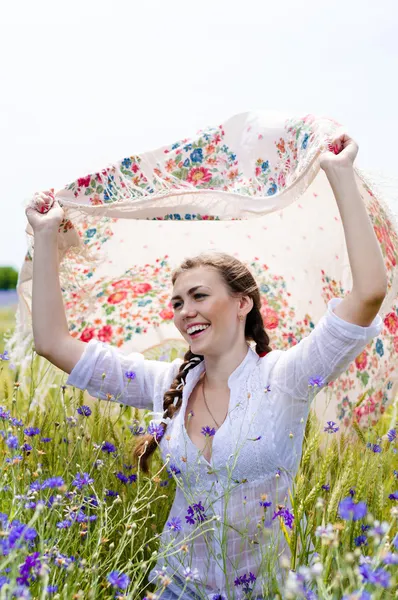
pixel 84 181
pixel 270 317
pixel 141 288
pixel 121 283
pixel 391 322
pixel 87 334
pixel 166 314
pixel 199 175
pixel 361 360
pixel 105 333
pixel 117 297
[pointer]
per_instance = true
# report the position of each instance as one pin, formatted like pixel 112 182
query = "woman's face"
pixel 200 298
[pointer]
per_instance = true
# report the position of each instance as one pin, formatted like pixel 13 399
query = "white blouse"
pixel 255 453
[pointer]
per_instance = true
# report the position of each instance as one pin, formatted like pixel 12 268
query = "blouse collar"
pixel 251 358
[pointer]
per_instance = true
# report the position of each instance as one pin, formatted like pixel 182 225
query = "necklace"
pixel 207 406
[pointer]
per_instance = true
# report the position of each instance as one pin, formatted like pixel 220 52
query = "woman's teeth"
pixel 196 332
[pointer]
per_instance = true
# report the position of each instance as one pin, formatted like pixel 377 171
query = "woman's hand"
pixel 342 153
pixel 44 212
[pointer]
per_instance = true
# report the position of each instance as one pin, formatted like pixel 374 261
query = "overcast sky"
pixel 87 83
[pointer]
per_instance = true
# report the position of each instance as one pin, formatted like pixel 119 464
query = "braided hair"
pixel 240 282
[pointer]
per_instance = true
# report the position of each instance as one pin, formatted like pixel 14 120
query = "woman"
pixel 233 415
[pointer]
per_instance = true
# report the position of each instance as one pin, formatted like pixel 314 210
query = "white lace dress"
pixel 255 453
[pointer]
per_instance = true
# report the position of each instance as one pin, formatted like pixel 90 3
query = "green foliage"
pixel 8 278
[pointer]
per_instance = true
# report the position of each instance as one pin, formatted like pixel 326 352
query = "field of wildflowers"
pixel 78 520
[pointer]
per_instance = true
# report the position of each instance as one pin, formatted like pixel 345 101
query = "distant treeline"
pixel 8 278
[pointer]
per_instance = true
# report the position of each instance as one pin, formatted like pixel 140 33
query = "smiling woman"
pixel 235 371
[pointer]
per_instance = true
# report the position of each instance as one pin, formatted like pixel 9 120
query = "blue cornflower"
pixel 286 515
pixel 245 580
pixel 64 524
pixel 52 589
pixel 395 541
pixel 377 577
pixel 31 431
pixel 84 410
pixel 264 503
pixel 208 431
pixel 156 430
pixel 108 447
pixel 130 375
pixel 52 482
pixel 118 580
pixel 4 413
pixel 393 496
pixel 46 440
pixel 136 429
pixel 12 442
pixel 5 355
pixel 122 477
pixel 376 448
pixel 173 469
pixel 315 382
pixel 16 422
pixel 175 524
pixel 326 487
pixel 196 511
pixel 82 479
pixel 348 509
pixel 331 427
pixel 26 447
pixel 111 494
pixel 391 434
pixel 361 540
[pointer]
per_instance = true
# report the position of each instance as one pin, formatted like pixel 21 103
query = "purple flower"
pixel 361 540
pixel 26 447
pixel 348 509
pixel 395 541
pixel 156 430
pixel 130 375
pixel 264 503
pixel 245 580
pixel 173 469
pixel 174 524
pixel 122 477
pixel 64 524
pixel 208 431
pixel 111 494
pixel 118 580
pixel 84 410
pixel 286 515
pixel 45 440
pixel 377 577
pixel 393 496
pixel 31 431
pixel 52 589
pixel 136 429
pixel 331 427
pixel 315 382
pixel 31 562
pixel 358 595
pixel 196 511
pixel 4 414
pixel 108 447
pixel 12 442
pixel 52 482
pixel 376 448
pixel 391 434
pixel 4 356
pixel 82 479
pixel 326 487
pixel 16 422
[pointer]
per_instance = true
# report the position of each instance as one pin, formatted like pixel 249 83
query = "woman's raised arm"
pixel 50 328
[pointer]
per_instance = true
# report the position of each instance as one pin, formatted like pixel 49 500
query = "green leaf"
pixel 110 309
pixel 88 192
pixel 100 189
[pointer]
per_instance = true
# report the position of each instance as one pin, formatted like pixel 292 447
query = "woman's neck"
pixel 219 367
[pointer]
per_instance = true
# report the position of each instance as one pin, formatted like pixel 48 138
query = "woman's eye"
pixel 178 304
pixel 200 295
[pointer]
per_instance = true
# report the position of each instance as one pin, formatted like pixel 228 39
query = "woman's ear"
pixel 246 304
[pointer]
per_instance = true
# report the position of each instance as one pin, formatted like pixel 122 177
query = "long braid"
pixel 171 404
pixel 255 330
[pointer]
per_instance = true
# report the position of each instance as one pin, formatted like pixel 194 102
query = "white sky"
pixel 86 83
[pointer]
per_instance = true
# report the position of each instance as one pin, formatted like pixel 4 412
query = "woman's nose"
pixel 188 311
